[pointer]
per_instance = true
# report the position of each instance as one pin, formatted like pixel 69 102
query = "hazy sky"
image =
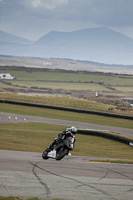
pixel 33 19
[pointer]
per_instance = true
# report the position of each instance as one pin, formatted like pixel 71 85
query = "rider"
pixel 68 132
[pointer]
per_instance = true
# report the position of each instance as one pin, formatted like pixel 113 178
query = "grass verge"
pixel 91 103
pixel 113 161
pixel 35 137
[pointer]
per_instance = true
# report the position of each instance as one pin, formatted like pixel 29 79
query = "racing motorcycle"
pixel 60 149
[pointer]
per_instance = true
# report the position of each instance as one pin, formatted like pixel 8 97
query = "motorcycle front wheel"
pixel 61 151
pixel 44 155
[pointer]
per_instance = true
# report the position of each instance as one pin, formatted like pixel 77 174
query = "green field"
pixel 121 80
pixel 89 82
pixel 61 85
pixel 39 74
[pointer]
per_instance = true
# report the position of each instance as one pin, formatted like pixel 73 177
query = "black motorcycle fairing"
pixel 69 142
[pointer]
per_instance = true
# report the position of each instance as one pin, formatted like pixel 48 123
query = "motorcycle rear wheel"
pixel 61 151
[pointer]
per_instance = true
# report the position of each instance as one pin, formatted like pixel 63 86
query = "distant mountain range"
pixel 101 45
pixel 9 38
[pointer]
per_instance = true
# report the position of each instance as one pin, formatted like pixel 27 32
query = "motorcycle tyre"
pixel 44 155
pixel 63 153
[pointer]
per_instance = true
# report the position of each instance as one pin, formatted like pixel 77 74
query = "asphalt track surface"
pixel 4 118
pixel 27 175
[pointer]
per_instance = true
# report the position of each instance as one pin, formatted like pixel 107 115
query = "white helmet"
pixel 73 130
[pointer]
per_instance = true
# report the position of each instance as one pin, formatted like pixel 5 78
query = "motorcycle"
pixel 60 149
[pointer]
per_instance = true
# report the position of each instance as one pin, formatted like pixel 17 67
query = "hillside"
pixel 63 64
pixel 101 45
pixel 9 38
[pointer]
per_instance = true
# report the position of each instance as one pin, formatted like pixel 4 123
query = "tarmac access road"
pixel 27 175
pixel 15 118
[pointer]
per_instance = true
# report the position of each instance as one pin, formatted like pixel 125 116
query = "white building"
pixel 6 76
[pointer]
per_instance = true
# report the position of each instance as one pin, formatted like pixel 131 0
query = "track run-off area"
pixel 26 174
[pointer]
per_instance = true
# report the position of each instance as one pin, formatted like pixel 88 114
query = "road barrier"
pixel 68 109
pixel 107 135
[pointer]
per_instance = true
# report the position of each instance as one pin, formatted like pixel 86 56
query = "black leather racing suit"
pixel 61 136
